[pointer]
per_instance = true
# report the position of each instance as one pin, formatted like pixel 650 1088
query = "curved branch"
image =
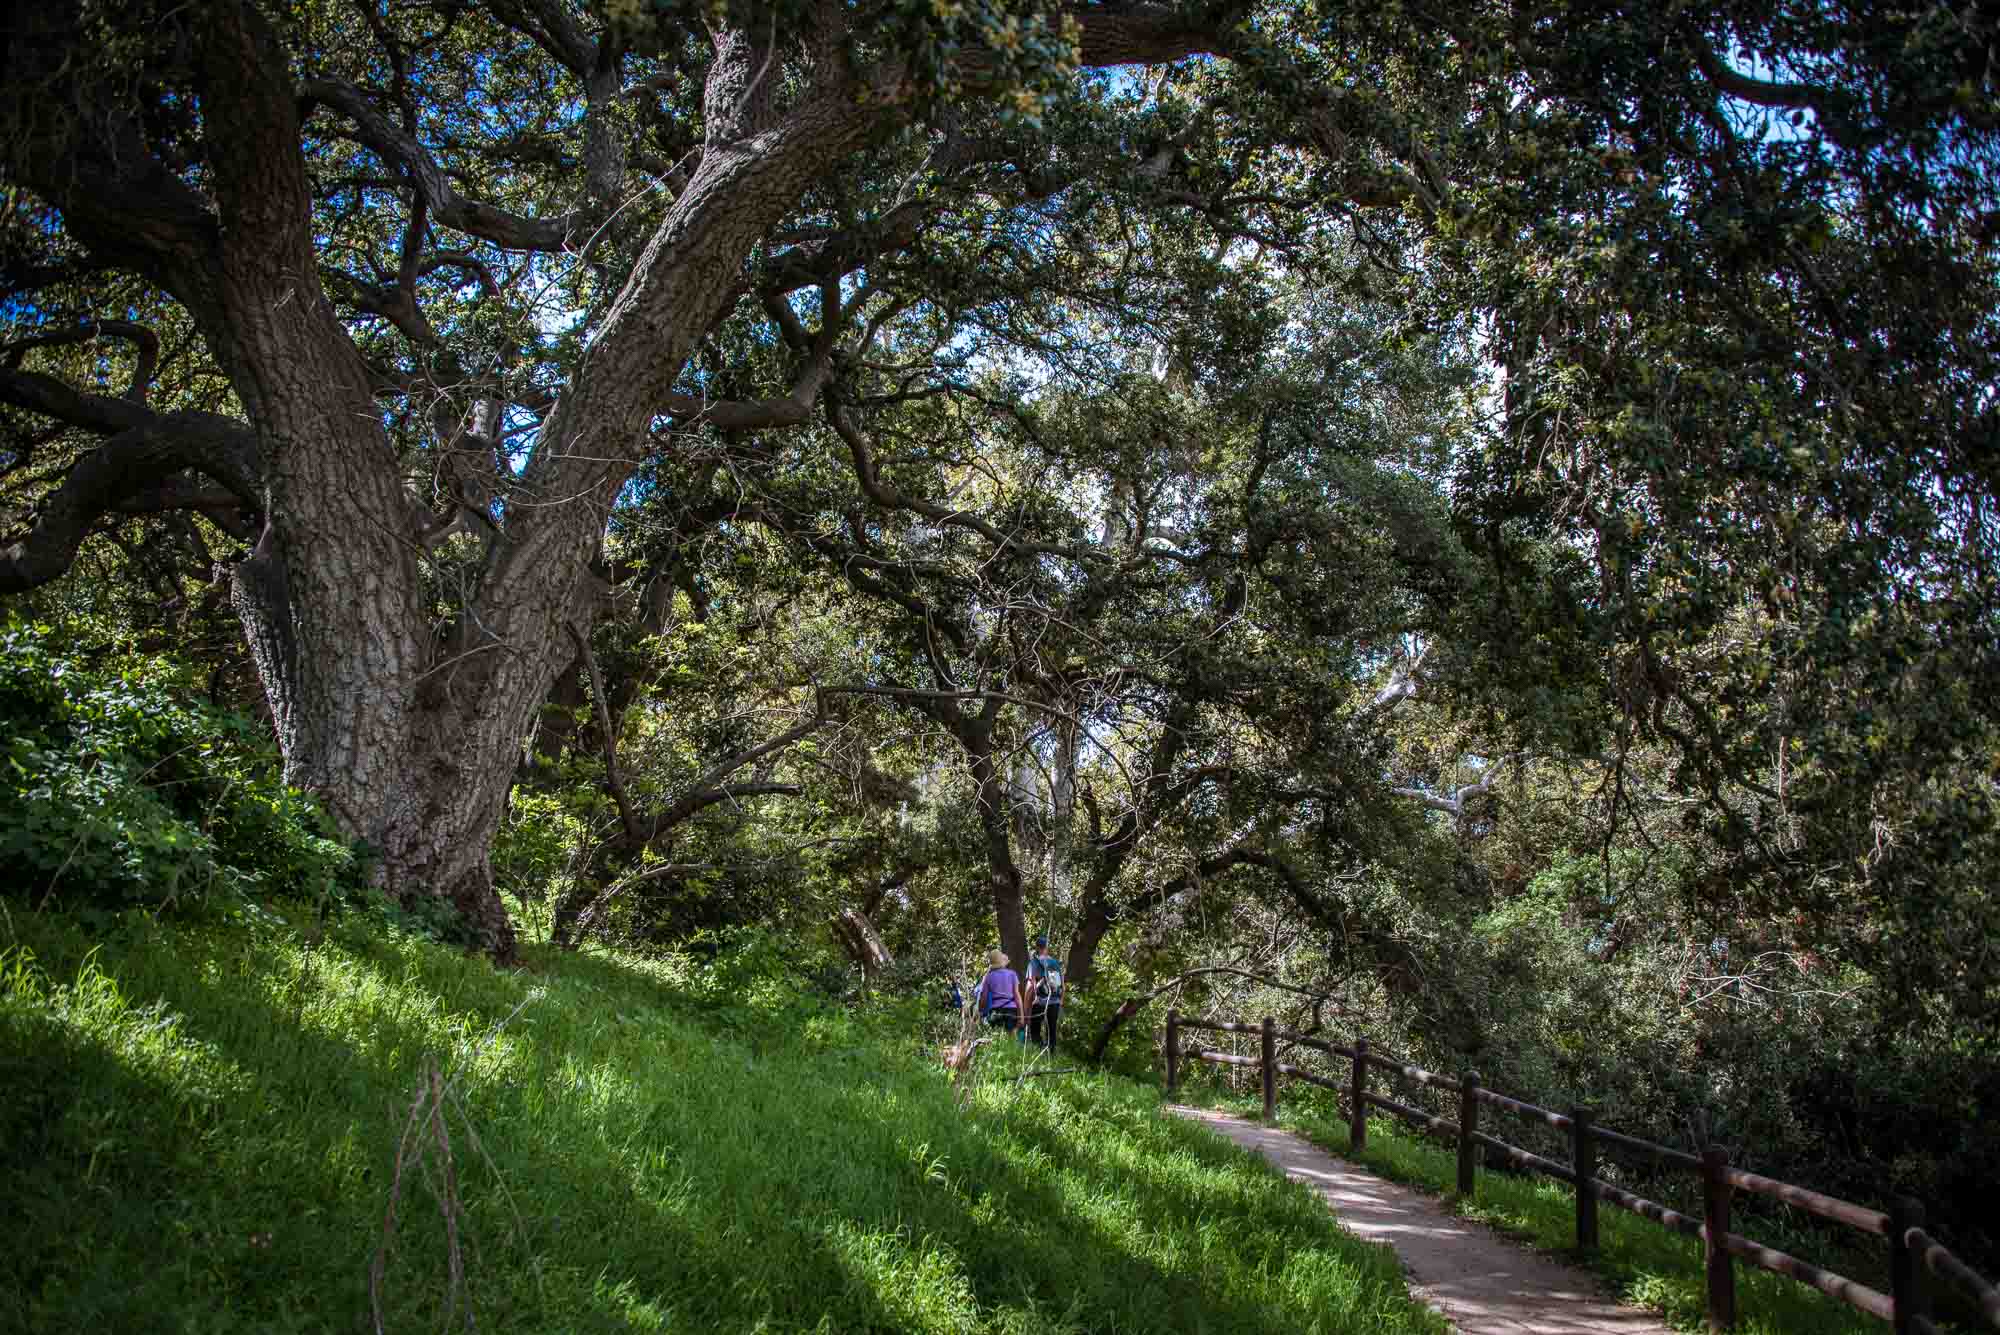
pixel 1454 804
pixel 464 262
pixel 144 340
pixel 1405 680
pixel 446 204
pixel 1744 88
pixel 129 463
pixel 126 207
pixel 50 397
pixel 221 447
pixel 550 26
pixel 701 801
pixel 397 305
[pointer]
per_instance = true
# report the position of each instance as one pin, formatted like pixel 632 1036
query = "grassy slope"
pixel 200 1126
pixel 1639 1260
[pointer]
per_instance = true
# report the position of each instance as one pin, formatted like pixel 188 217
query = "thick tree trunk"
pixel 332 599
pixel 1003 878
pixel 1092 924
pixel 418 777
pixel 1062 805
pixel 1096 913
pixel 411 739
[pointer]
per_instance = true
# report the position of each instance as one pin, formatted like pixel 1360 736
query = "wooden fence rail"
pixel 1915 1258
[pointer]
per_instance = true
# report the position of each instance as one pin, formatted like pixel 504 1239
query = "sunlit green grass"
pixel 1640 1261
pixel 201 1126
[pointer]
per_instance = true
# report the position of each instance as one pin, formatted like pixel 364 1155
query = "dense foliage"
pixel 118 790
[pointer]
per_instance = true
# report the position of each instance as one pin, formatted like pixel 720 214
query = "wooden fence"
pixel 1915 1258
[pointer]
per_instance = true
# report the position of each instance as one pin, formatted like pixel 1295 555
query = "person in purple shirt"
pixel 999 994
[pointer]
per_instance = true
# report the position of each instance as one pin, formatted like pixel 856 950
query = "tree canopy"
pixel 1229 435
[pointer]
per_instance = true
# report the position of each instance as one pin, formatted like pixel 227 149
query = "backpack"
pixel 1049 975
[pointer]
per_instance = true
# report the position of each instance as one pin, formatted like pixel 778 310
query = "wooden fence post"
pixel 1357 1135
pixel 1583 1162
pixel 1715 1191
pixel 1270 1065
pixel 1468 1126
pixel 1173 1052
pixel 1906 1268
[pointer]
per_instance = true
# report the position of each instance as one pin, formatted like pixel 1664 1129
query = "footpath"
pixel 1480 1282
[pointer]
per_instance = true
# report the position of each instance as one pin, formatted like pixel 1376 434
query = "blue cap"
pixel 1042 940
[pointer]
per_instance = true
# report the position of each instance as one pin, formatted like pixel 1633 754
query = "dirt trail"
pixel 1481 1282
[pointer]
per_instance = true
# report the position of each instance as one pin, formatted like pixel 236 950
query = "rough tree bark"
pixel 410 738
pixel 1003 877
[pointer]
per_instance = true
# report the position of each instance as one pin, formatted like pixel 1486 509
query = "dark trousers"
pixel 1004 1017
pixel 1042 1021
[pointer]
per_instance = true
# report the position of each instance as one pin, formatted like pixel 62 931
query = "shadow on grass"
pixel 215 1150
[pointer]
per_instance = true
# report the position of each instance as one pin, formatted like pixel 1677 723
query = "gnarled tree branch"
pixel 446 204
pixel 145 342
pixel 135 459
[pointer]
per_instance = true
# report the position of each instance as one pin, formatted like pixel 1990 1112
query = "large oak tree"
pixel 436 281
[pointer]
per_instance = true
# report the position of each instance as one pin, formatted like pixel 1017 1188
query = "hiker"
pixel 1045 995
pixel 999 993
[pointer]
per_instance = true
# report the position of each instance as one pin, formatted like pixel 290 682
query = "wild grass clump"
pixel 204 1126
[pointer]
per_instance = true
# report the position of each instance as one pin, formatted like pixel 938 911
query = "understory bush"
pixel 119 789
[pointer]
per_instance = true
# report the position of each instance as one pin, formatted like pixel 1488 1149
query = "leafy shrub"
pixel 117 790
pixel 535 853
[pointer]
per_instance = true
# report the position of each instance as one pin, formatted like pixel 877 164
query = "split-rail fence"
pixel 1917 1261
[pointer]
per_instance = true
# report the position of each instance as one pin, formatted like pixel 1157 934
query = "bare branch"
pixel 1454 803
pixel 1405 677
pixel 612 777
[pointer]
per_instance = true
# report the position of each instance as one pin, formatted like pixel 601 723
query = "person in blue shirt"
pixel 1045 995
